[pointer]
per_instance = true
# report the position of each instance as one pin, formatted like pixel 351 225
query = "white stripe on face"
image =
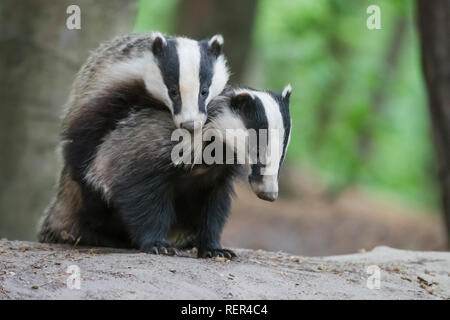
pixel 155 83
pixel 189 81
pixel 275 131
pixel 219 79
pixel 145 68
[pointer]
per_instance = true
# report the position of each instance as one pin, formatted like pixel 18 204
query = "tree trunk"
pixel 233 19
pixel 434 26
pixel 39 57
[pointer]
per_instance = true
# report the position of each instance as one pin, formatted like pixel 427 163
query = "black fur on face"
pixel 251 110
pixel 207 60
pixel 208 56
pixel 169 65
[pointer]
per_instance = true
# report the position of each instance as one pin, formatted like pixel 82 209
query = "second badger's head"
pixel 267 113
pixel 186 75
pixel 256 125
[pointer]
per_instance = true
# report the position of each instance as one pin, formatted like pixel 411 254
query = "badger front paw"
pixel 212 253
pixel 160 248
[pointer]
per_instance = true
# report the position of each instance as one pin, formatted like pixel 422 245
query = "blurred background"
pixel 368 162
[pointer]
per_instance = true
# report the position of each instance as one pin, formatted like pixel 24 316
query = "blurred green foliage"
pixel 357 118
pixel 155 15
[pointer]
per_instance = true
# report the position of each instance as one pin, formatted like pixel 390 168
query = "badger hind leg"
pixel 78 215
pixel 60 223
pixel 49 234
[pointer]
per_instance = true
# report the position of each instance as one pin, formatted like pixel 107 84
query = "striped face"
pixel 190 73
pixel 268 114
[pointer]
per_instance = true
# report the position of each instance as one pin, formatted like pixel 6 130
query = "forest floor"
pixel 31 270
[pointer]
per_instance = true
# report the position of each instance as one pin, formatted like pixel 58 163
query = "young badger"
pixel 140 198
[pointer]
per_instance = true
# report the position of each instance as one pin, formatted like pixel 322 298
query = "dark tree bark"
pixel 39 58
pixel 233 19
pixel 434 27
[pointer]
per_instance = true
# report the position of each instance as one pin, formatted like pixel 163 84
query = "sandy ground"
pixel 38 271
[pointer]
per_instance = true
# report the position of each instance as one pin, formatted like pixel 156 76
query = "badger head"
pixel 190 74
pixel 267 113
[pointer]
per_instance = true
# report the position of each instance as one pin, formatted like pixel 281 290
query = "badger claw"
pixel 163 250
pixel 212 253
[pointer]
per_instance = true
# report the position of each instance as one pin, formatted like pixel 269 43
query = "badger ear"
pixel 216 44
pixel 286 92
pixel 159 42
pixel 242 100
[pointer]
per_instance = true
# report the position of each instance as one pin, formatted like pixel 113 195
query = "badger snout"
pixel 189 121
pixel 191 125
pixel 265 187
pixel 268 196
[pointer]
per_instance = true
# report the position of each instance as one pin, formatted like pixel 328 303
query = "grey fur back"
pixel 143 136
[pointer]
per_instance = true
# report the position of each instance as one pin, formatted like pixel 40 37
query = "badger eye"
pixel 204 92
pixel 173 92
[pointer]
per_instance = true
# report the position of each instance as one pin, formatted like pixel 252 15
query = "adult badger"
pixel 141 198
pixel 135 71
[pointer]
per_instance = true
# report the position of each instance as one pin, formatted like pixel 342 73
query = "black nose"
pixel 268 196
pixel 190 125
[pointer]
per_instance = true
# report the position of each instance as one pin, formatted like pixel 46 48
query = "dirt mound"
pixel 39 271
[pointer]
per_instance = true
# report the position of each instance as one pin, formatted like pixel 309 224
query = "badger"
pixel 134 195
pixel 135 71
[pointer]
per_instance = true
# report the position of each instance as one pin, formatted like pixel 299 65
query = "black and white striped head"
pixel 265 110
pixel 189 74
